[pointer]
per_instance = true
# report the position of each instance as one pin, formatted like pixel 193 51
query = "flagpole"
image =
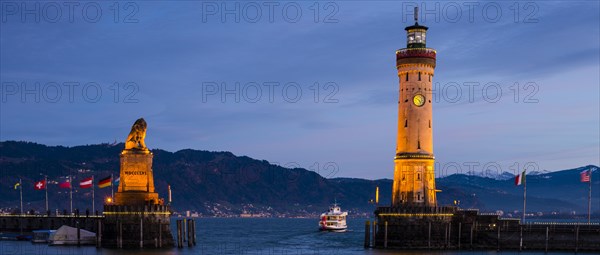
pixel 93 197
pixel 524 195
pixel 21 191
pixel 71 193
pixel 590 198
pixel 112 188
pixel 46 184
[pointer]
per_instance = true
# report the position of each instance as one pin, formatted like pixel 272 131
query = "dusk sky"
pixel 316 89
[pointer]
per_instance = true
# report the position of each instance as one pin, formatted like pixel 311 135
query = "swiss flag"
pixel 40 185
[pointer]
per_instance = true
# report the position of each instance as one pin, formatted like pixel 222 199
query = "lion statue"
pixel 135 140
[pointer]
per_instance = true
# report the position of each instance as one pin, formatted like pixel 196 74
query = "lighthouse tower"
pixel 414 176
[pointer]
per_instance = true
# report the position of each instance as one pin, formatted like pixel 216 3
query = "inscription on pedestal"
pixel 136 172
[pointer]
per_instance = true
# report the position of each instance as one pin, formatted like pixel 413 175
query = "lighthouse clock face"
pixel 419 100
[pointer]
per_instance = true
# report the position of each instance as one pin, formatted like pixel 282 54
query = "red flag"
pixel 585 175
pixel 65 185
pixel 40 185
pixel 86 183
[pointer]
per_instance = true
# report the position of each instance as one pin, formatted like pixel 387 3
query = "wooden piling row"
pixel 186 232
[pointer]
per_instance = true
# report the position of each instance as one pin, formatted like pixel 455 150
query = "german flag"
pixel 106 182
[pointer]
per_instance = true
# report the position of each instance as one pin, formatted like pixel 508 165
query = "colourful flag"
pixel 65 185
pixel 40 185
pixel 520 179
pixel 117 181
pixel 106 182
pixel 585 175
pixel 86 183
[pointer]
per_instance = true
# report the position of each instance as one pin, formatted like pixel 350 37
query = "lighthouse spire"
pixel 416 15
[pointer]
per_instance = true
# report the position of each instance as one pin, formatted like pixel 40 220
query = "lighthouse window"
pixel 430 77
pixel 406 76
pixel 405 123
pixel 418 176
pixel 419 196
pixel 429 123
pixel 419 76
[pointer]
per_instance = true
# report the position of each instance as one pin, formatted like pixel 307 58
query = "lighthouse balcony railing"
pixel 416 53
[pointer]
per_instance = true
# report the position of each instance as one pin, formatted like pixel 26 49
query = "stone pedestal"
pixel 136 186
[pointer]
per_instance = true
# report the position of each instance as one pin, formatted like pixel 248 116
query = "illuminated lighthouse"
pixel 414 175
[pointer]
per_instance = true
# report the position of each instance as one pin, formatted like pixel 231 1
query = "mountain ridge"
pixel 223 184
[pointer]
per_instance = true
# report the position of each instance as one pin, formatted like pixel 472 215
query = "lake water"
pixel 250 236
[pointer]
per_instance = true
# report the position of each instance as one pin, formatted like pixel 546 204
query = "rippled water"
pixel 252 237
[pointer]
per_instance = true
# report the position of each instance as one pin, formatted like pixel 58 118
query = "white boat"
pixel 333 220
pixel 66 235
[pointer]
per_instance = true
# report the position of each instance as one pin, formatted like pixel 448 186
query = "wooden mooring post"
pixel 471 237
pixel 367 234
pixel 498 249
pixel 576 238
pixel 373 244
pixel 449 234
pixel 385 236
pixel 78 234
pixel 446 236
pixel 194 232
pixel 546 239
pixel 99 234
pixel 179 234
pixel 160 230
pixel 189 233
pixel 120 238
pixel 429 237
pixel 141 232
pixel 459 233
